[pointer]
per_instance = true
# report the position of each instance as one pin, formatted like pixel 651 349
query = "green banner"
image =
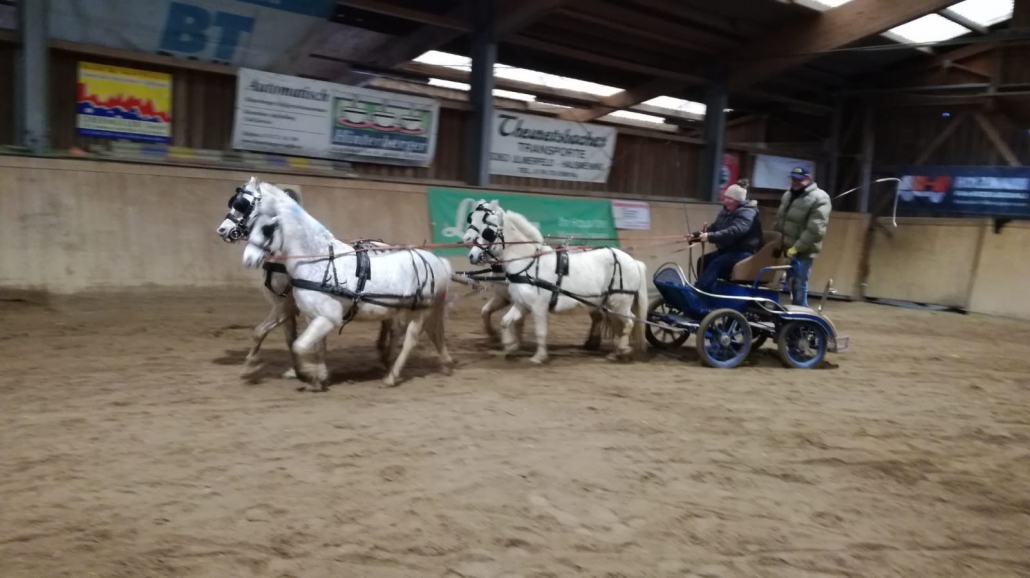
pixel 579 219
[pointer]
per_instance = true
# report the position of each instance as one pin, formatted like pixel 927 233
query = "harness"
pixel 331 285
pixel 562 269
pixel 271 268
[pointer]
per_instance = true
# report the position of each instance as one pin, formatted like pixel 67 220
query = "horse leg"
pixel 622 328
pixel 310 351
pixel 495 304
pixel 274 319
pixel 437 335
pixel 508 334
pixel 385 342
pixel 594 335
pixel 410 339
pixel 290 330
pixel 540 325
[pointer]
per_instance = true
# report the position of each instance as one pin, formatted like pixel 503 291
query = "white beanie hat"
pixel 737 193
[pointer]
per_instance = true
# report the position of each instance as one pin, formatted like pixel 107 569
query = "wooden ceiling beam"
pixel 676 9
pixel 648 27
pixel 790 46
pixel 798 43
pixel 439 30
pixel 963 21
pixel 559 95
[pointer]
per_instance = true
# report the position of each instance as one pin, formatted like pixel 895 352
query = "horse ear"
pixel 494 204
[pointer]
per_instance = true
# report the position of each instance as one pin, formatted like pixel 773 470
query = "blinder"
pixel 243 203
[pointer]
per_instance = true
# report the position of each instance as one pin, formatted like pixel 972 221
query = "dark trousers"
pixel 717 265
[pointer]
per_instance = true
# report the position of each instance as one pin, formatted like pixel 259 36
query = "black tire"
pixel 660 338
pixel 717 339
pixel 802 344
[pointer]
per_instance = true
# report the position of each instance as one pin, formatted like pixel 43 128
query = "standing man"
pixel 802 218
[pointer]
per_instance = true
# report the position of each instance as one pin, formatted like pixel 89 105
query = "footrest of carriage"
pixel 839 344
pixel 677 321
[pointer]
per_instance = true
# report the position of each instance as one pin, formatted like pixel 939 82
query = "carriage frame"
pixel 738 318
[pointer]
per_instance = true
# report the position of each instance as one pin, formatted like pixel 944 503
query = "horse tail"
pixel 637 339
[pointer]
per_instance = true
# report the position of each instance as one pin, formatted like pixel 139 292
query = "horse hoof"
pixel 537 360
pixel 290 374
pixel 388 382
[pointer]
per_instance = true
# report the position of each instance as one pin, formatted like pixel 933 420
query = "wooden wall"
pixel 81 225
pixel 1003 272
pixel 203 109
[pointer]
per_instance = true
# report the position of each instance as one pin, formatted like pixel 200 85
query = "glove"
pixel 791 252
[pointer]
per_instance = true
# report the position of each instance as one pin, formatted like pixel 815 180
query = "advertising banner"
pixel 124 103
pixel 631 215
pixel 251 33
pixel 772 172
pixel 296 116
pixel 581 219
pixel 982 191
pixel 729 173
pixel 538 147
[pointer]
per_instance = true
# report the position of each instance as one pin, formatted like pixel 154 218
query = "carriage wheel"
pixel 802 344
pixel 662 338
pixel 724 338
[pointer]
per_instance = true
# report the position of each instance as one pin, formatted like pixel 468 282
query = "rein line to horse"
pixel 671 240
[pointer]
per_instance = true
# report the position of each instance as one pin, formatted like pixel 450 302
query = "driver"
pixel 736 232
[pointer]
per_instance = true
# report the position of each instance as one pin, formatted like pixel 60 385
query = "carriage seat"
pixel 745 271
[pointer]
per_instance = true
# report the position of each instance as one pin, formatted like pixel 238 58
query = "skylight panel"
pixel 984 12
pixel 929 28
pixel 498 92
pixel 637 116
pixel 678 104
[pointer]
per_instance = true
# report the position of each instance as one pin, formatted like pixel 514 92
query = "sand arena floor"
pixel 129 447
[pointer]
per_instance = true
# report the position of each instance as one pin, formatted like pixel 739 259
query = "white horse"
pixel 276 286
pixel 608 281
pixel 334 283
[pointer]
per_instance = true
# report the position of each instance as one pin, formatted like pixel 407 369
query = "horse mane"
pixel 521 224
pixel 276 193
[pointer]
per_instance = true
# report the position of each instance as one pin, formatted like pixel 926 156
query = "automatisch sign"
pixel 984 191
pixel 297 116
pixel 537 147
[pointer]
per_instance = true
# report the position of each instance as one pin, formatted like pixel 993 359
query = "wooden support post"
pixel 833 146
pixel 484 55
pixel 716 99
pixel 941 137
pixel 868 140
pixel 996 139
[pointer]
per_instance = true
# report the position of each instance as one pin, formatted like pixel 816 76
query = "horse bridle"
pixel 490 232
pixel 242 202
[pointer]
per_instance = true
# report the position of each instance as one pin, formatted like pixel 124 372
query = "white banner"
pixel 545 148
pixel 773 172
pixel 252 33
pixel 296 116
pixel 631 215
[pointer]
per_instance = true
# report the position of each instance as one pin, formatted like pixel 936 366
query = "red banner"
pixel 729 173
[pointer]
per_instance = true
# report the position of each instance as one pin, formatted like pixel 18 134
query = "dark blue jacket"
pixel 738 230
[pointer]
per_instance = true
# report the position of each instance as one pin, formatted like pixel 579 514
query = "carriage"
pixel 739 316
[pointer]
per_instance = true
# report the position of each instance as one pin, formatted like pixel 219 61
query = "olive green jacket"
pixel 803 219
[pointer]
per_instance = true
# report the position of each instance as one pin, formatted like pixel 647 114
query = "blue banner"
pixel 246 33
pixel 982 191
